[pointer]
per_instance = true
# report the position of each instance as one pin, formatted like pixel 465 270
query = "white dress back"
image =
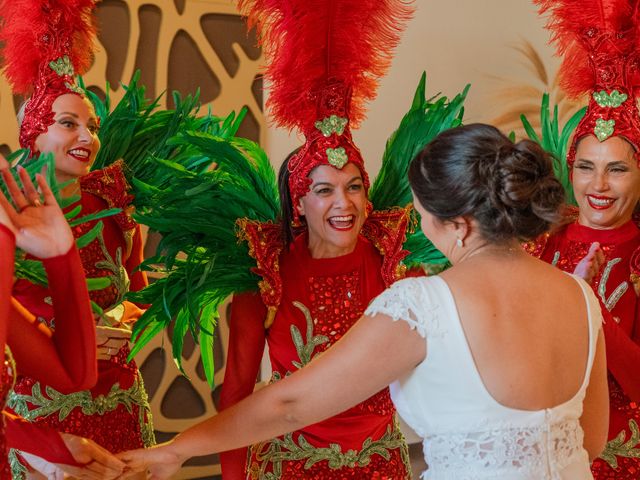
pixel 467 434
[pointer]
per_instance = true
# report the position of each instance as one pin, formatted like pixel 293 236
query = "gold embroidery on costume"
pixel 18 470
pixel 277 451
pixel 305 350
pixel 64 404
pixel 120 277
pixel 620 290
pixel 618 447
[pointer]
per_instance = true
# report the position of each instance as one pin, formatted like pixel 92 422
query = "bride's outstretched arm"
pixel 375 352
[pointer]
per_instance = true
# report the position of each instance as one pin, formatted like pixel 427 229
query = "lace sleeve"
pixel 406 300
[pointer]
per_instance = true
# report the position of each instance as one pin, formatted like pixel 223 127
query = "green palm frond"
pixel 196 213
pixel 555 140
pixel 422 123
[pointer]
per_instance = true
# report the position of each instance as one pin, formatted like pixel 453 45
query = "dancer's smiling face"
pixel 606 182
pixel 335 208
pixel 72 138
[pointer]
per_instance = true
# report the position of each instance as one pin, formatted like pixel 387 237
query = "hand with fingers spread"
pixel 35 217
pixel 590 265
pixel 110 340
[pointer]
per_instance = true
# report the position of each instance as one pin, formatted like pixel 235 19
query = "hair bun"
pixel 475 170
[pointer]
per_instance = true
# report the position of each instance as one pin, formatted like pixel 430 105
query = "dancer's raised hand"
pixel 35 217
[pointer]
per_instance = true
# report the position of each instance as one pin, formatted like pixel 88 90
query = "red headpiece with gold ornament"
pixel 600 42
pixel 324 59
pixel 46 43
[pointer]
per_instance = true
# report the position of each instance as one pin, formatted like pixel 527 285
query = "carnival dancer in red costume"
pixel 336 256
pixel 46 44
pixel 600 42
pixel 66 360
pixel 313 252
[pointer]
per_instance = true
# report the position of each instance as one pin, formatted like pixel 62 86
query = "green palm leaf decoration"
pixel 422 123
pixel 555 140
pixel 196 214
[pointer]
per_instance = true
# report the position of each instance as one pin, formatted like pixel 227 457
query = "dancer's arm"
pixel 246 346
pixel 350 371
pixel 623 354
pixel 67 360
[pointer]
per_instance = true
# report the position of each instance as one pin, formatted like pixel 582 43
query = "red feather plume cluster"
pixel 596 38
pixel 600 43
pixel 309 44
pixel 35 32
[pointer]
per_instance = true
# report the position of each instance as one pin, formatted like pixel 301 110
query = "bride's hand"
pixel 160 462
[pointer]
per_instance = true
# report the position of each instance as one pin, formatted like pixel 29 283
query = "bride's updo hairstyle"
pixel 476 171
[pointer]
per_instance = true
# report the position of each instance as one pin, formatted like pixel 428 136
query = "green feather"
pixel 555 140
pixel 422 123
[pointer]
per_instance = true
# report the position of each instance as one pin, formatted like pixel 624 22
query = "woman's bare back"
pixel 526 325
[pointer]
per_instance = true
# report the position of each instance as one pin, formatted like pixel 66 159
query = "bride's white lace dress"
pixel 467 433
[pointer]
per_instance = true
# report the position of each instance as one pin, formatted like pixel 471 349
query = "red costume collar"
pixel 582 233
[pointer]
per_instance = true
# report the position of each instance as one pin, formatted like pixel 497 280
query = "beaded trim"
pixel 56 402
pixel 276 452
pixel 621 447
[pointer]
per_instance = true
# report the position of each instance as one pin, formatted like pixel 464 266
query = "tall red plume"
pixel 309 43
pixel 36 32
pixel 577 27
pixel 600 42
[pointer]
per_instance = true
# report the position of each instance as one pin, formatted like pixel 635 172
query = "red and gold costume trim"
pixel 386 230
pixel 265 246
pixel 110 184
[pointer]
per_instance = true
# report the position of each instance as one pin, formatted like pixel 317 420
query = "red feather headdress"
pixel 46 43
pixel 600 43
pixel 324 59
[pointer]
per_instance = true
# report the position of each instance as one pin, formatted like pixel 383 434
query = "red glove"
pixel 246 346
pixel 623 356
pixel 67 360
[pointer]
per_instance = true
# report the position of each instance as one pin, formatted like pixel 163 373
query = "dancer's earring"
pixel 459 242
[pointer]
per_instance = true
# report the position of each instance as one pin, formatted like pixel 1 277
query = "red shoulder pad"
pixel 387 231
pixel 111 185
pixel 265 246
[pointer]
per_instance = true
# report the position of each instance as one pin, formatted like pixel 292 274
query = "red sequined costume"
pixel 617 286
pixel 320 299
pixel 66 359
pixel 115 413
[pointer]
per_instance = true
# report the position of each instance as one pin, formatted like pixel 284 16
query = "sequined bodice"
pixel 614 284
pixel 104 258
pixel 322 300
